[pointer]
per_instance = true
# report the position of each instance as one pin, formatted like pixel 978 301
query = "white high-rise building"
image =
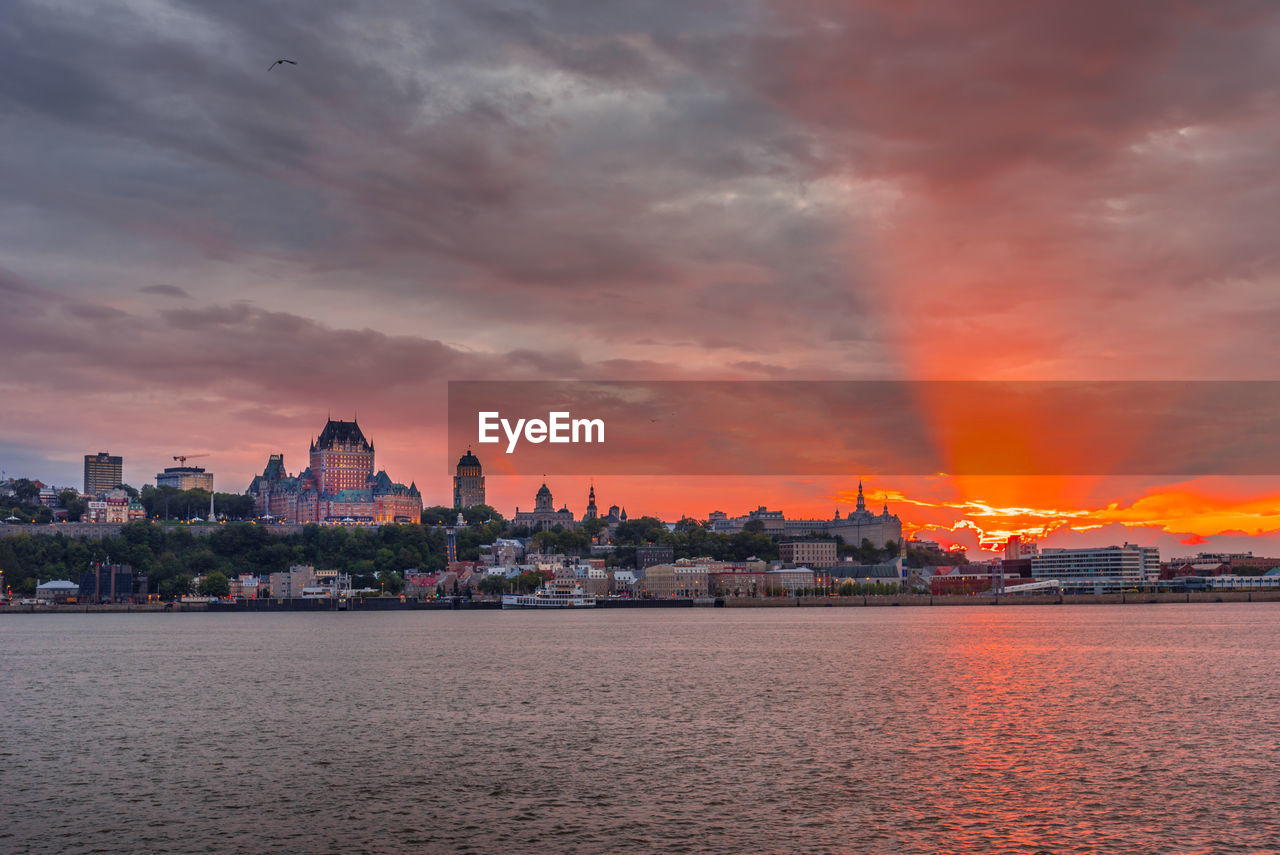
pixel 1098 570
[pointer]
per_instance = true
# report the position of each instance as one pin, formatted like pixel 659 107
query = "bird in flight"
pixel 281 62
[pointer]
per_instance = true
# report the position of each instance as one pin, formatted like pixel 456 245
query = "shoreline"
pixel 867 601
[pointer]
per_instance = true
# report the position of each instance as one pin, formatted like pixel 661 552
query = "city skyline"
pixel 983 526
pixel 201 256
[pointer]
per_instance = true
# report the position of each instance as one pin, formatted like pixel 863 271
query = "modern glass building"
pixel 185 478
pixel 1098 570
pixel 102 472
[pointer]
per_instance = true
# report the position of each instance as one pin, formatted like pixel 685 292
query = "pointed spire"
pixel 862 502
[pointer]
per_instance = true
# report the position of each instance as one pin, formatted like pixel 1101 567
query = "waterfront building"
pixel 102 472
pixel 681 579
pixel 1099 569
pixel 594 580
pixel 57 591
pixel 468 483
pixel 103 582
pixel 738 582
pixel 622 582
pixel 185 478
pixel 647 556
pixel 292 583
pixel 246 586
pixel 1017 549
pixel 965 578
pixel 1218 564
pixel 788 581
pixel 818 553
pixel 544 516
pixel 339 487
pixel 889 571
pixel 1268 581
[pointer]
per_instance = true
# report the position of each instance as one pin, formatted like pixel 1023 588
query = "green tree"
pixel 70 500
pixel 641 531
pixel 25 490
pixel 215 584
pixel 493 585
pixel 234 506
pixel 391 582
pixel 477 514
pixel 439 515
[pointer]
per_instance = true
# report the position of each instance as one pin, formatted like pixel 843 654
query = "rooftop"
pixel 337 432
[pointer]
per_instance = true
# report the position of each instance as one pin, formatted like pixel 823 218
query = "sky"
pixel 199 255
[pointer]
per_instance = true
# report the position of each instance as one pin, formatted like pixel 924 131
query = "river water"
pixel 1032 729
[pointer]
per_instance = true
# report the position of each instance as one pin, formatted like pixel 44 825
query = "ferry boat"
pixel 555 594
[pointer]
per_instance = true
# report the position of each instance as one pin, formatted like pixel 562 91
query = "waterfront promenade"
pixel 384 604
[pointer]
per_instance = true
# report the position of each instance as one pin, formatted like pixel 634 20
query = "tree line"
pixel 172 556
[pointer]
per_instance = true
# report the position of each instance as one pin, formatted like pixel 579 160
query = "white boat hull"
pixel 534 601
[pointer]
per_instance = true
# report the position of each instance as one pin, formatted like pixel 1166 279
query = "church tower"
pixel 591 513
pixel 862 503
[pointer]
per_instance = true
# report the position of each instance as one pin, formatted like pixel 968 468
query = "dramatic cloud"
pixel 1058 190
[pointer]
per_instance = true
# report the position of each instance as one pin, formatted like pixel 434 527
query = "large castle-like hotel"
pixel 339 486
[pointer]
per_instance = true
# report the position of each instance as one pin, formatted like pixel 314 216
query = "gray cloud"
pixel 166 291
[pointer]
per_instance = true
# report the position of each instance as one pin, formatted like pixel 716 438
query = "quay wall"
pixel 372 604
pixel 1007 599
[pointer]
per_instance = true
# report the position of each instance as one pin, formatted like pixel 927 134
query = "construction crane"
pixel 183 458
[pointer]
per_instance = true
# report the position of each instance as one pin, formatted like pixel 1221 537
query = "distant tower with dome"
pixel 468 484
pixel 861 524
pixel 544 515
